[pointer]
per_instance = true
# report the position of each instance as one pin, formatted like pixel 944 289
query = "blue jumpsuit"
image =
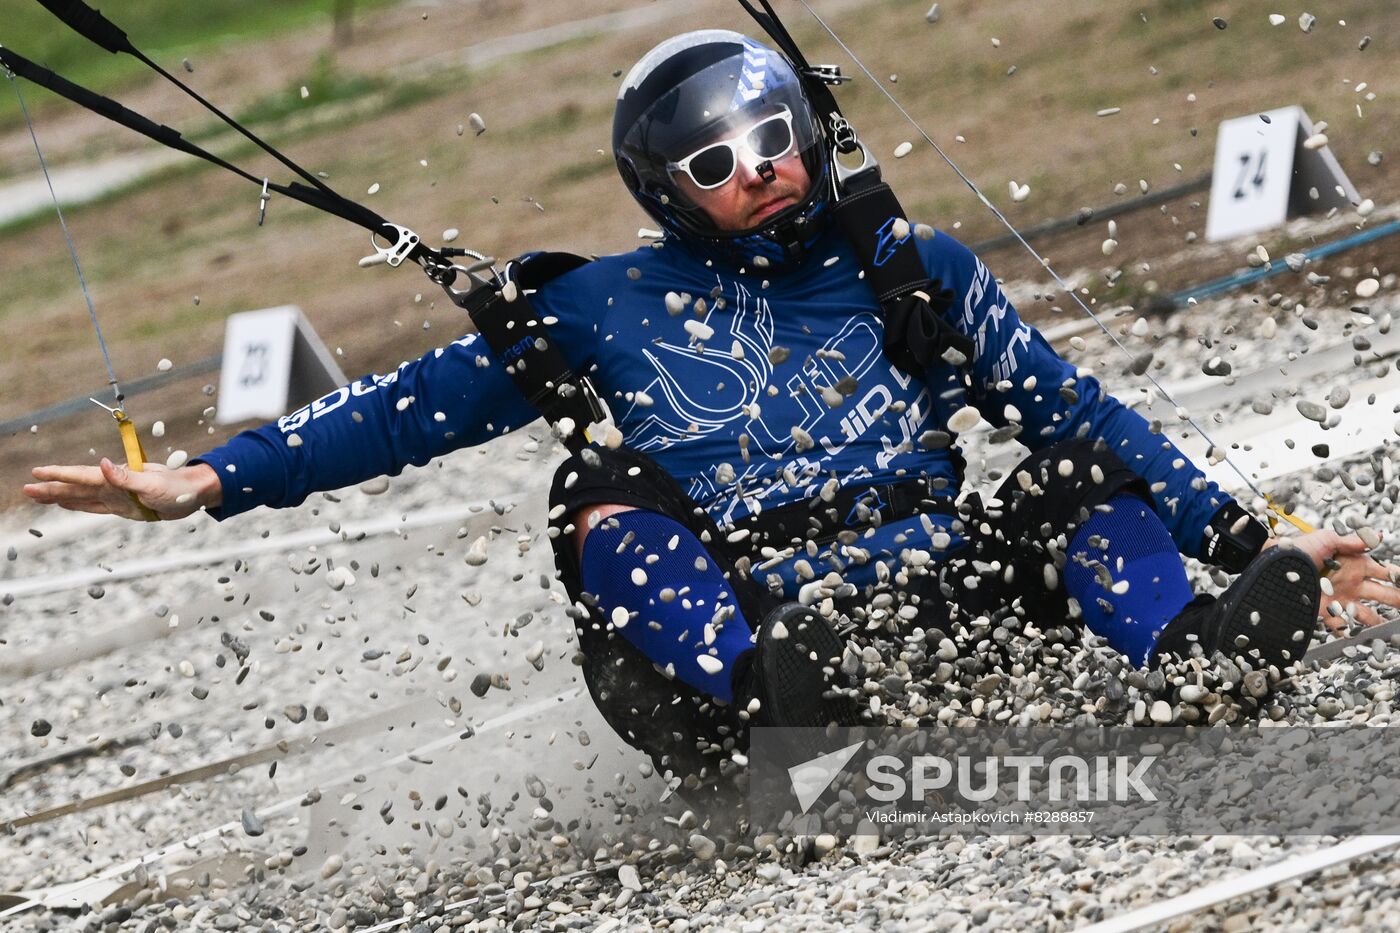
pixel 727 394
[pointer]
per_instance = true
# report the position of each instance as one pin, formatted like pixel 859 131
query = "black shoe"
pixel 1266 617
pixel 794 673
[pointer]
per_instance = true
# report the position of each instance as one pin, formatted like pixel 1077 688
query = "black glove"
pixel 1233 538
pixel 917 333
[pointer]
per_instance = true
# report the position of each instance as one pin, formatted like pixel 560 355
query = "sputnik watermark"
pixel 1117 778
pixel 1071 779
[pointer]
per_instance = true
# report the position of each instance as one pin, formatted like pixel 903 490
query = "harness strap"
pixel 507 322
pixel 851 510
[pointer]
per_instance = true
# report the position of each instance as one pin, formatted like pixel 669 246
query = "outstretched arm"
pixel 113 489
pixel 452 397
pixel 1018 378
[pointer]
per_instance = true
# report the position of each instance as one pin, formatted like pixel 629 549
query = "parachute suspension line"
pixel 67 235
pixel 1044 263
pixel 131 441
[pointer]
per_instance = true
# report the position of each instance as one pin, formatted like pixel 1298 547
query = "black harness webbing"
pixel 506 321
pixel 852 510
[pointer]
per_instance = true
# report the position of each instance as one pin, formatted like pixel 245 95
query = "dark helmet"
pixel 689 91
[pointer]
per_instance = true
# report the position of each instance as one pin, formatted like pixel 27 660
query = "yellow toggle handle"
pixel 135 457
pixel 1287 516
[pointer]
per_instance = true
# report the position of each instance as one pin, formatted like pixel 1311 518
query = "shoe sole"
pixel 1275 613
pixel 797 692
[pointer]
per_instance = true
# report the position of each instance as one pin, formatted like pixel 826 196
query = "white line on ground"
pixel 1259 879
pixel 155 855
pixel 249 547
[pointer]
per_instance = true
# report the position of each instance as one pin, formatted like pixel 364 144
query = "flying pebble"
pixel 675 304
pixel 933 14
pixel 158 429
pixel 1312 411
pixel 964 419
pixel 1109 245
pixel 164 366
pixel 1306 22
pixel 903 149
pixel 699 329
pixel 176 459
pixel 450 234
pixel 1367 288
pixel 1277 19
pixel 1019 192
pixel 339 578
pixel 476 554
pixel 373 189
pixel 477 124
pixel 703 847
pixel 709 663
pixel 251 824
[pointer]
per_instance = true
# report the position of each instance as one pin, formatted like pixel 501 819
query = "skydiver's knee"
pixel 588 517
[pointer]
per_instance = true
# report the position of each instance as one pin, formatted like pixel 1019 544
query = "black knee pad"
pixel 1054 491
pixel 682 730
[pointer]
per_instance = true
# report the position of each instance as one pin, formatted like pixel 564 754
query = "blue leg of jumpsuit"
pixel 1134 547
pixel 660 589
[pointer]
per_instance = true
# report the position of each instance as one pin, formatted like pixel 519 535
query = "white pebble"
pixel 476 554
pixel 450 234
pixel 176 459
pixel 639 576
pixel 903 149
pixel 709 663
pixel 158 429
pixel 1367 288
pixel 699 330
pixel 619 617
pixel 964 419
pixel 164 365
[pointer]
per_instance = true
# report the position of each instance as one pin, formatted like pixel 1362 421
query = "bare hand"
pixel 110 489
pixel 1357 581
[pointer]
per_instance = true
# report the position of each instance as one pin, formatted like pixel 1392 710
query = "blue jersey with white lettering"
pixel 752 390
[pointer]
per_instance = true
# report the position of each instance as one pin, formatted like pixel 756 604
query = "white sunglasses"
pixel 714 164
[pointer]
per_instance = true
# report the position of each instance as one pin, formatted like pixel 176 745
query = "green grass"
pixel 166 30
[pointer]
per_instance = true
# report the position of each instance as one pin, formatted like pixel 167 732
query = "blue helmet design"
pixel 689 90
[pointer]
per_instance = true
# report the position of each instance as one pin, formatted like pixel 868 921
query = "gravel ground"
pixel 298 648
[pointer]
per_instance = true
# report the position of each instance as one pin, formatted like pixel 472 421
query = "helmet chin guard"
pixel 692 89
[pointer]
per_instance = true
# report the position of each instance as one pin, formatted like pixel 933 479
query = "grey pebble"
pixel 251 824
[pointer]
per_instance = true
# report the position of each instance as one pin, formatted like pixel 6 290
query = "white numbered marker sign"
pixel 1264 174
pixel 272 358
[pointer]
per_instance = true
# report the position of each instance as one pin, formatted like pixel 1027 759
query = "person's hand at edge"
pixel 1356 579
pixel 113 489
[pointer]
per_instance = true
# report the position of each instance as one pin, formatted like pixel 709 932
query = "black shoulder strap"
pixel 506 321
